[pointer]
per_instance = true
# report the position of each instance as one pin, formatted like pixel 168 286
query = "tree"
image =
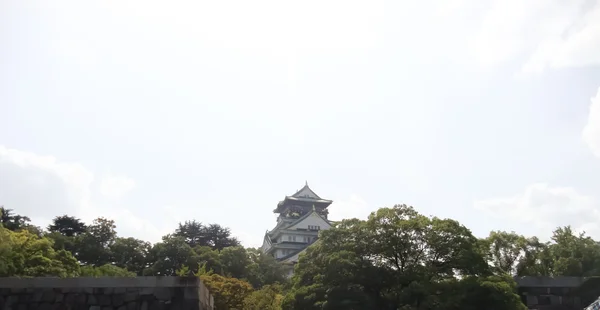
pixel 130 254
pixel 267 298
pixel 213 235
pixel 219 237
pixel 105 271
pixel 264 269
pixel 93 247
pixel 228 293
pixel 397 259
pixel 23 254
pixel 67 226
pixel 574 255
pixel 235 261
pixel 12 221
pixel 170 255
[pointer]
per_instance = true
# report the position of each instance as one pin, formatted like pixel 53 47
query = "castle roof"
pixel 305 196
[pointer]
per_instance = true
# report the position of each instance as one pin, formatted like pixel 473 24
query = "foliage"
pixel 105 271
pixel 395 259
pixel 130 254
pixel 25 254
pixel 228 293
pixel 12 221
pixel 267 298
pixel 67 226
pixel 93 246
pixel 214 236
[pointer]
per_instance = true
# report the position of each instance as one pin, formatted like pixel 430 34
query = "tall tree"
pixel 397 259
pixel 264 269
pixel 170 255
pixel 68 226
pixel 574 254
pixel 130 253
pixel 213 235
pixel 23 254
pixel 93 247
pixel 13 221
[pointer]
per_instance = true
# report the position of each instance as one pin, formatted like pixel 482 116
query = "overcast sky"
pixel 154 112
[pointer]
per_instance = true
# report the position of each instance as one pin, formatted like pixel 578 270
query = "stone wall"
pixel 141 293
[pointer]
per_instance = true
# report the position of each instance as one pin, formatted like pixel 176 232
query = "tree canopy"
pixel 397 258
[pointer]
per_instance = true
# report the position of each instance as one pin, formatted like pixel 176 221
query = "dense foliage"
pixel 395 259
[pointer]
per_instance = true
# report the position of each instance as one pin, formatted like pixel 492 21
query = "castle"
pixel 301 216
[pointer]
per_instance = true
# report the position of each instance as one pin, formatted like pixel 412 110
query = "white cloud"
pixel 545 207
pixel 43 187
pixel 547 33
pixel 40 186
pixel 351 207
pixel 591 131
pixel 116 186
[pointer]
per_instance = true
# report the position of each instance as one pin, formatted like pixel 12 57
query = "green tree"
pixel 235 261
pixel 263 269
pixel 397 259
pixel 170 255
pixel 267 298
pixel 93 247
pixel 130 254
pixel 67 226
pixel 105 271
pixel 209 258
pixel 573 254
pixel 228 293
pixel 25 254
pixel 213 235
pixel 13 221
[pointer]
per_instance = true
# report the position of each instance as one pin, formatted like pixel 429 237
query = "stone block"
pixel 104 300
pixel 147 291
pixel 60 306
pixel 59 297
pixel 108 308
pixel 88 290
pixel 156 305
pixel 133 306
pixel 163 293
pixel 81 299
pixel 33 306
pixel 120 290
pixel 22 307
pixel 123 307
pixel 11 300
pixel 24 298
pixel 191 293
pixel 128 297
pixel 92 300
pixel 108 290
pixel 95 308
pixel 118 300
pixel 16 290
pixel 69 298
pixel 144 305
pixel 48 296
pixel 45 306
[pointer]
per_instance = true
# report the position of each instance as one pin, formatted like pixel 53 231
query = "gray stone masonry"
pixel 141 293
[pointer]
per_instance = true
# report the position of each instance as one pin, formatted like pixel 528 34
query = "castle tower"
pixel 301 216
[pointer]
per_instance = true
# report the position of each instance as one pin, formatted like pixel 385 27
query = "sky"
pixel 152 113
